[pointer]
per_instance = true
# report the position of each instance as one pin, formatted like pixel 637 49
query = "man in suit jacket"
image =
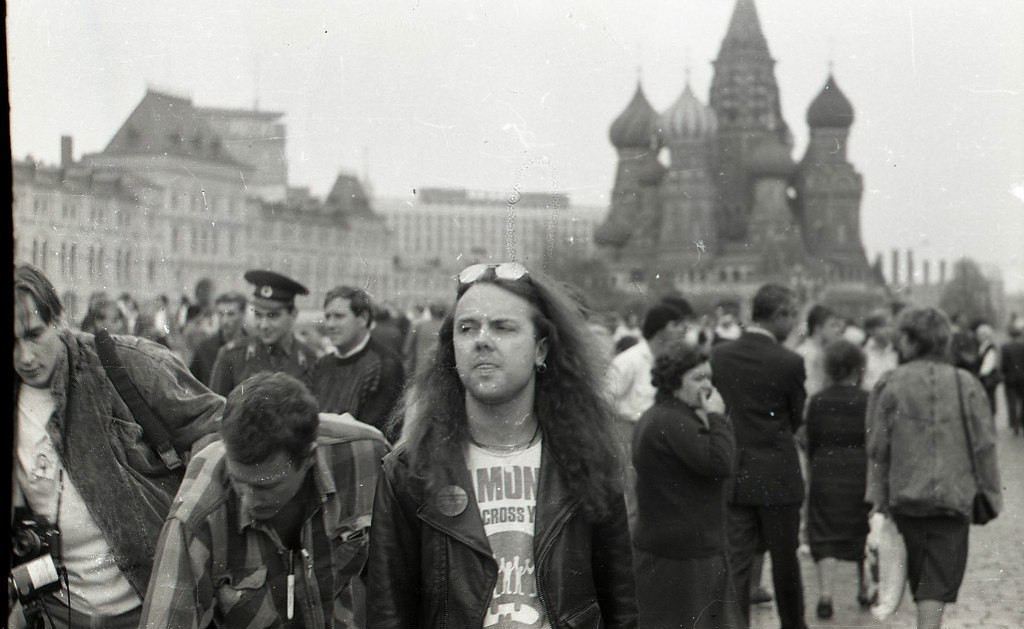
pixel 762 383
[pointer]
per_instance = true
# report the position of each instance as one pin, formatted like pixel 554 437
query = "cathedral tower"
pixel 688 191
pixel 745 97
pixel 830 189
pixel 635 138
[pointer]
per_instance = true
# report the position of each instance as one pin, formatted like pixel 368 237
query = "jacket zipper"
pixel 541 556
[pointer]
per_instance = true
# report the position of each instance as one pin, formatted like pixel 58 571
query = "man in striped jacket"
pixel 271 524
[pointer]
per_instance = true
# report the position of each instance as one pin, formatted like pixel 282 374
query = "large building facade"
pixel 182 193
pixel 439 231
pixel 708 198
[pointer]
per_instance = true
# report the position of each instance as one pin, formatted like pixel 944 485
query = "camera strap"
pixel 153 431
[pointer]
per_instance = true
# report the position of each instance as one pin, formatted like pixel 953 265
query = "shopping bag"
pixel 886 566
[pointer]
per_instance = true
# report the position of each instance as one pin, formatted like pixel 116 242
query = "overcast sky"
pixel 477 94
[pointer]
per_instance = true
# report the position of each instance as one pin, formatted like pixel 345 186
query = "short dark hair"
pixel 817 317
pixel 657 318
pixel 928 329
pixel 875 321
pixel 30 282
pixel 842 358
pixel 358 301
pixel 233 297
pixel 672 364
pixel 769 300
pixel 680 303
pixel 267 413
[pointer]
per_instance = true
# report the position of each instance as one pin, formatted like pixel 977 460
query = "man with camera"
pixel 91 493
pixel 271 526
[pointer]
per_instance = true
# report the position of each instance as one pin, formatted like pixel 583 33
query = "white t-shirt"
pixel 506 493
pixel 96 583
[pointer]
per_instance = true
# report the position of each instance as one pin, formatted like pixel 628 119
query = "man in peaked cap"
pixel 272 346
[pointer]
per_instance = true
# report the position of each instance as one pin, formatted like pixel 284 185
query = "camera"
pixel 36 546
pixel 32 536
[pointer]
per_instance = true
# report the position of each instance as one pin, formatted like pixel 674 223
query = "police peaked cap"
pixel 274 287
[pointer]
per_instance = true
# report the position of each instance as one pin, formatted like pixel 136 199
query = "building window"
pixel 92 261
pixel 152 270
pixel 133 137
pixel 42 256
pixel 73 262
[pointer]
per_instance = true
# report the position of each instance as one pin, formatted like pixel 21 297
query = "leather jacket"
pixel 428 569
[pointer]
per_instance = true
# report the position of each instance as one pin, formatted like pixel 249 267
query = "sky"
pixel 520 93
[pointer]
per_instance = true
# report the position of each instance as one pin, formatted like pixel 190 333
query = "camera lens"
pixel 26 544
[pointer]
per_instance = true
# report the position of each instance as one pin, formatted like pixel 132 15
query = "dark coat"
pixel 427 569
pixel 762 384
pixel 682 469
pixel 206 355
pixel 1011 362
pixel 244 357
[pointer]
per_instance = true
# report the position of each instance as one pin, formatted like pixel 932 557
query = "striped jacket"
pixel 215 563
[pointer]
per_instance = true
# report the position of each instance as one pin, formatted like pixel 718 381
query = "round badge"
pixel 267 291
pixel 452 500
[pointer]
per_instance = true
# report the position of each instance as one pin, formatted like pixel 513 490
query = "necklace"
pixel 507 448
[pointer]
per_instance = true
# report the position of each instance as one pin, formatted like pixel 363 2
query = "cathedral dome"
pixel 637 125
pixel 770 159
pixel 688 118
pixel 830 108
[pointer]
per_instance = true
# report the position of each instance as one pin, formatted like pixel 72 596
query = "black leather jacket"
pixel 428 569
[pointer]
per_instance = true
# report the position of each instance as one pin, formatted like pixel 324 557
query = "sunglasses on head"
pixel 501 270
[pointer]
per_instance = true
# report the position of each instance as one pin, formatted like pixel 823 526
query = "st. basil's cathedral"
pixel 731 209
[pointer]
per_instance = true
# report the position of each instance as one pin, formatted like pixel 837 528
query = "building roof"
pixel 688 118
pixel 348 197
pixel 744 32
pixel 830 108
pixel 170 125
pixel 636 125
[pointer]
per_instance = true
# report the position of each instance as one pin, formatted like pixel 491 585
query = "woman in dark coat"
pixel 837 512
pixel 683 451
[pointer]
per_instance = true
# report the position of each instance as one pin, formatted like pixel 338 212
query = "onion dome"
pixel 830 108
pixel 770 159
pixel 637 125
pixel 688 119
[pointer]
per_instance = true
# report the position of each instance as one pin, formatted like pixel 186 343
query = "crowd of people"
pixel 513 460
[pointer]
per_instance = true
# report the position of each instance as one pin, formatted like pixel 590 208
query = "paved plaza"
pixel 992 595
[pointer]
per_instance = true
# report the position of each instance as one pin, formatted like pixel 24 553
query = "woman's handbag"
pixel 982 510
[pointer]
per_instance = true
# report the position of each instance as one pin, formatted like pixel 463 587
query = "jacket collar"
pixel 554 506
pixel 756 331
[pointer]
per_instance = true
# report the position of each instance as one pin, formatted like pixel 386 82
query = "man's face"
pixel 266 488
pixel 271 323
pixel 37 346
pixel 344 328
pixel 230 316
pixel 496 349
pixel 784 321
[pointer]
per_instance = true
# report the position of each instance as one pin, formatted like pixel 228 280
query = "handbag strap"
pixel 967 431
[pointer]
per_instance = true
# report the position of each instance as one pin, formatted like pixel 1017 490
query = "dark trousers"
pixel 1014 404
pixel 778 528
